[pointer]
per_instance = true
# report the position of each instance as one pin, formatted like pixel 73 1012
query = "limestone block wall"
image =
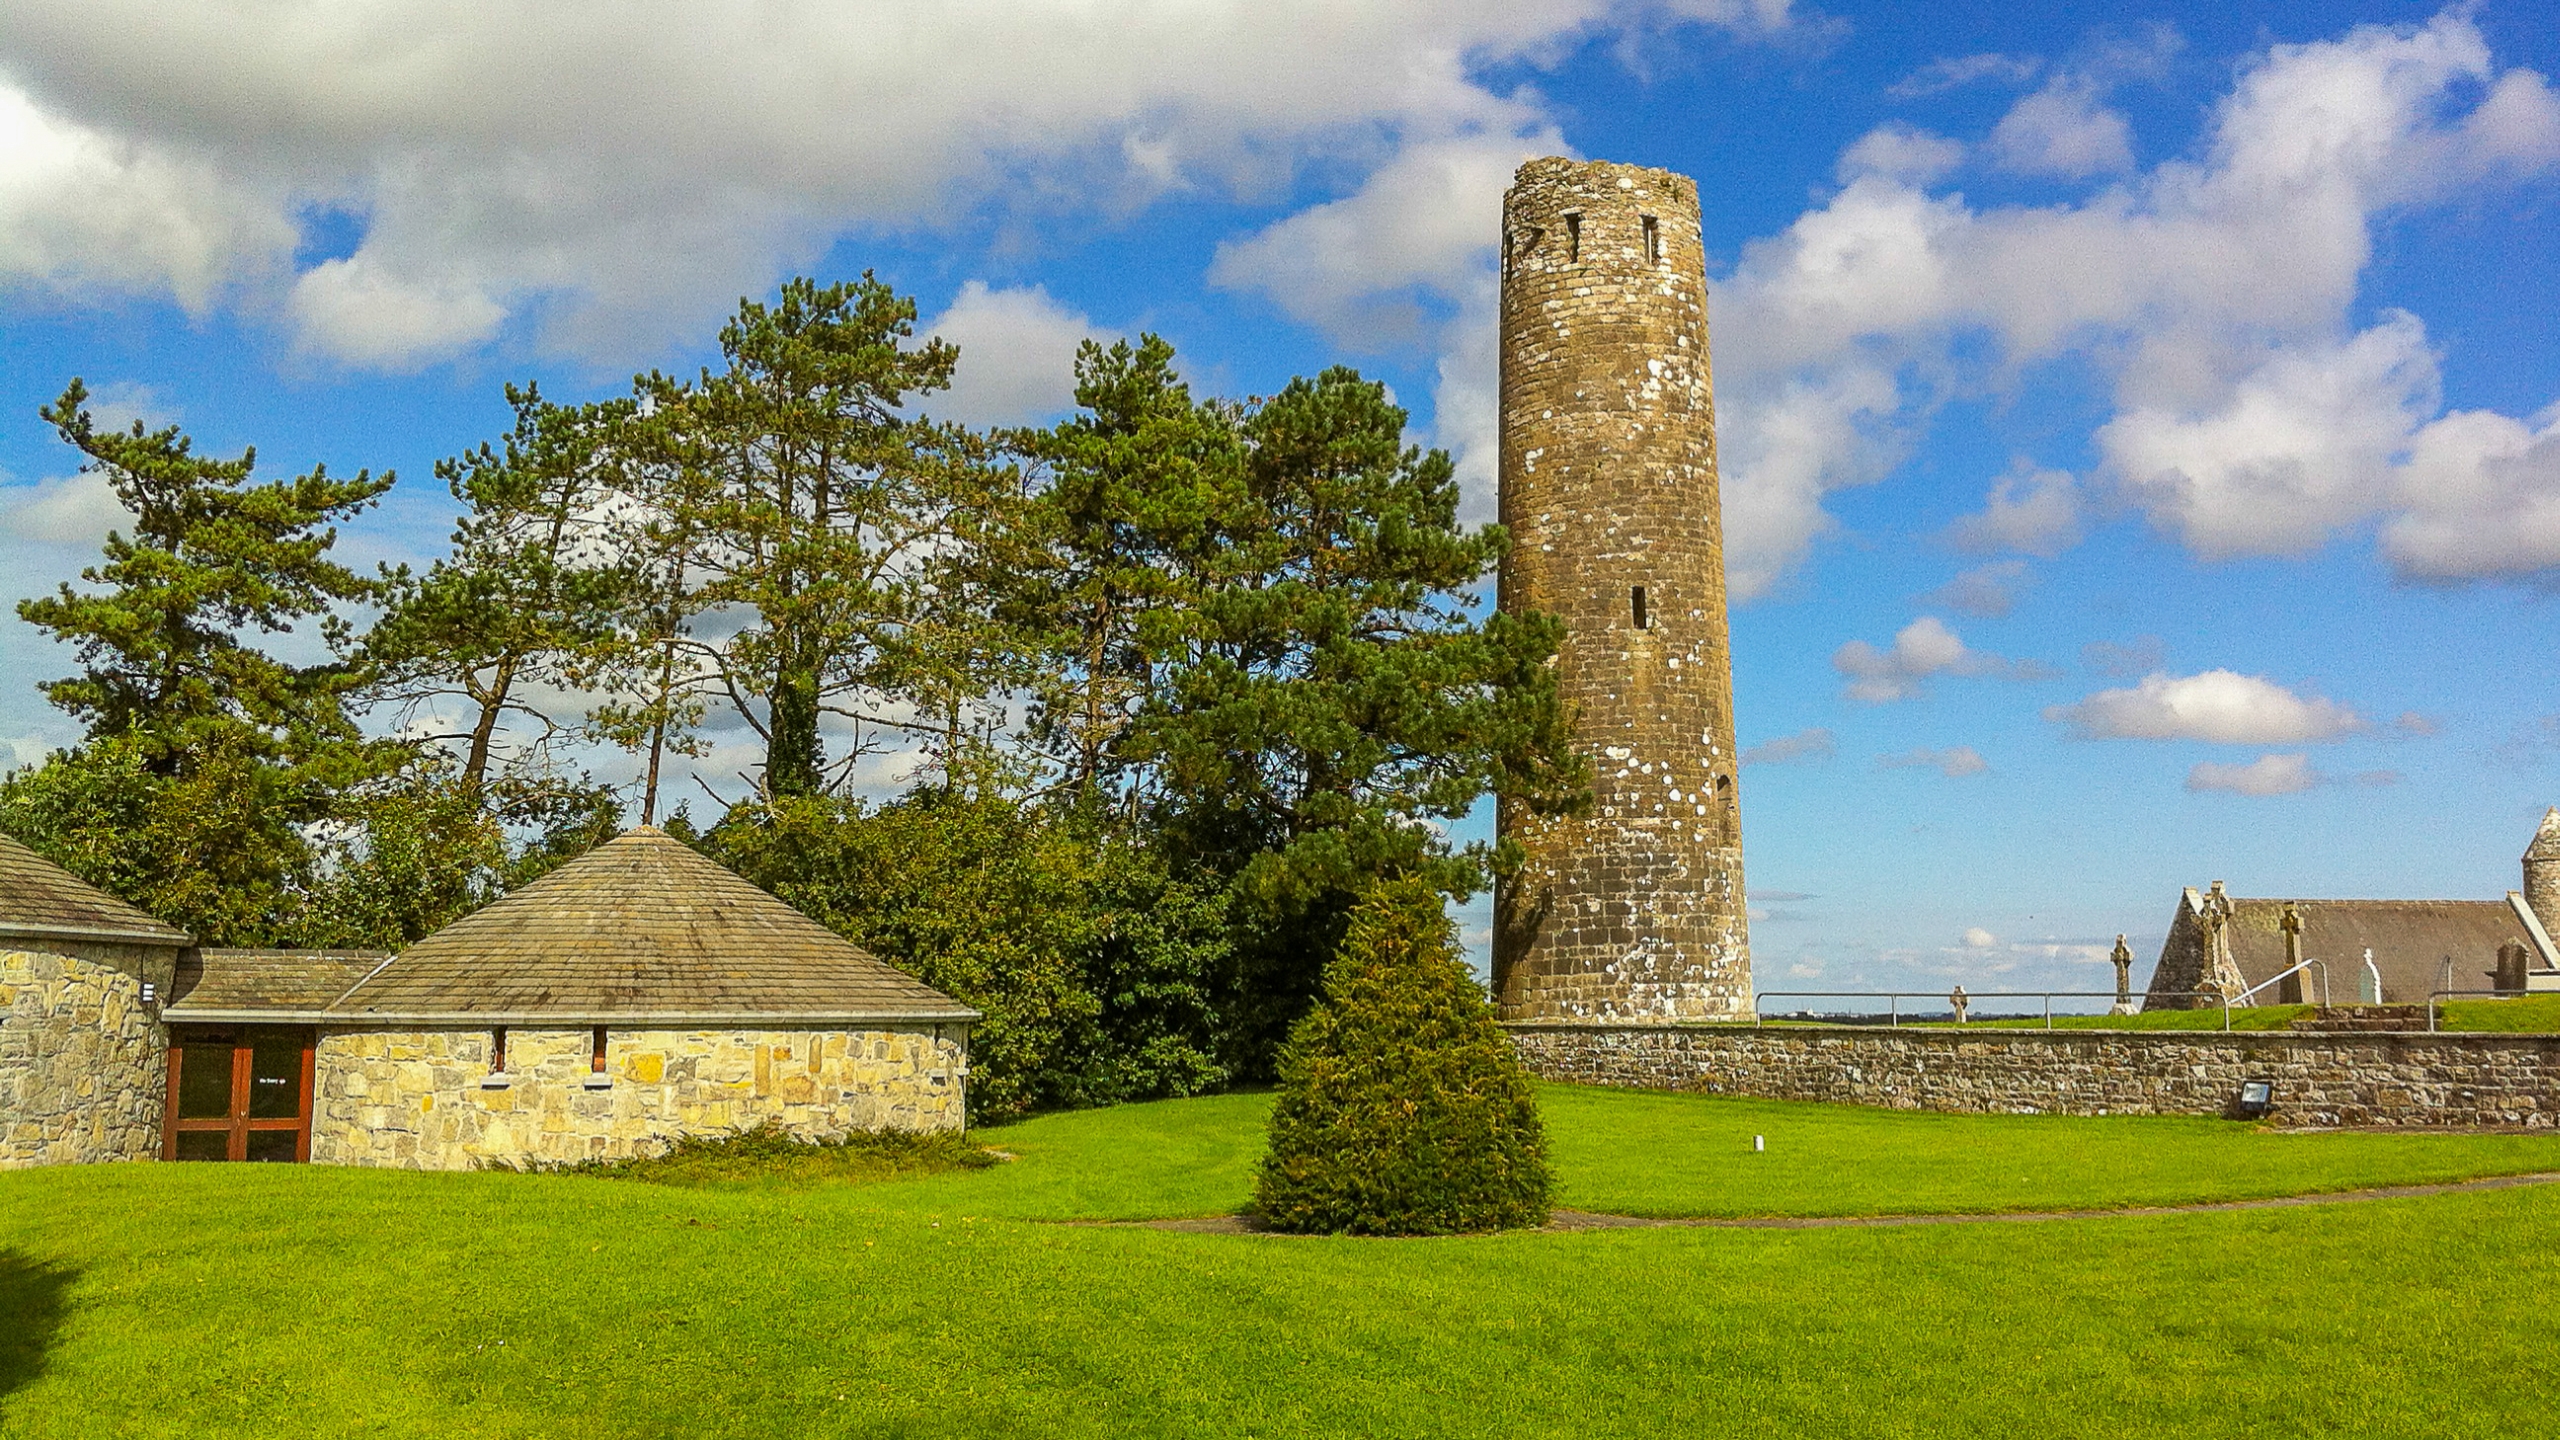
pixel 416 1099
pixel 1634 909
pixel 2368 1079
pixel 84 1064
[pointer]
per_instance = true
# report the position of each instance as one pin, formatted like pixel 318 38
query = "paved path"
pixel 1577 1220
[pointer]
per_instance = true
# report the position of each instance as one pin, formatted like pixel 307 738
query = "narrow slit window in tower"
pixel 1573 239
pixel 1652 241
pixel 1643 622
pixel 498 1051
pixel 595 1057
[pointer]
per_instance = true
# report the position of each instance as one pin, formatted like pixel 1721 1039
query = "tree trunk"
pixel 475 766
pixel 791 756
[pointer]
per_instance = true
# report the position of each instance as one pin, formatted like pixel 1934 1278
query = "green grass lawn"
pixel 2534 1013
pixel 2247 1017
pixel 2253 1017
pixel 254 1300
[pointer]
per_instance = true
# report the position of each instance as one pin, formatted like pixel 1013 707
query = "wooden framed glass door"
pixel 239 1095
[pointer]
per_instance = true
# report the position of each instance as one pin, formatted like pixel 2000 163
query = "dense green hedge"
pixel 1098 969
pixel 1402 1107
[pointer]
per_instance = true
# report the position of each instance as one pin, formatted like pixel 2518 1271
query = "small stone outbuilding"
pixel 82 1053
pixel 635 995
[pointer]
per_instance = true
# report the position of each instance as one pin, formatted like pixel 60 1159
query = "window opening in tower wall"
pixel 1572 239
pixel 1652 241
pixel 1643 622
pixel 1526 244
pixel 498 1050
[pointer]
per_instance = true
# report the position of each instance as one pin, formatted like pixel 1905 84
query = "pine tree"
pixel 1402 1107
pixel 526 596
pixel 211 556
pixel 206 757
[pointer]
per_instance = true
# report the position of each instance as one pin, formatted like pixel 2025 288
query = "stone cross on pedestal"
pixel 2222 973
pixel 1958 1000
pixel 2291 992
pixel 2123 959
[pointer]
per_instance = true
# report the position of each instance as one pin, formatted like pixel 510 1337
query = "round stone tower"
pixel 2542 872
pixel 1634 910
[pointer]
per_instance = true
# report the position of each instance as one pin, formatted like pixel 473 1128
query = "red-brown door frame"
pixel 236 1125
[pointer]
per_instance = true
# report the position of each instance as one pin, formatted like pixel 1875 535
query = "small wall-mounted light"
pixel 2257 1097
pixel 150 992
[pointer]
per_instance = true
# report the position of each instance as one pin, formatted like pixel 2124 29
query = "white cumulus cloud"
pixel 2032 511
pixel 2298 447
pixel 1901 152
pixel 2214 294
pixel 2481 498
pixel 1922 649
pixel 617 173
pixel 2062 130
pixel 1017 355
pixel 1989 591
pixel 2266 775
pixel 73 510
pixel 1955 762
pixel 2221 707
pixel 1803 746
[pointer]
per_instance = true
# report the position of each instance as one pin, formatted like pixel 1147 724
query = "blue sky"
pixel 2141 456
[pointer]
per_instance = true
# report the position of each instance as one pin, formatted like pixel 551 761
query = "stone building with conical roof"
pixel 636 995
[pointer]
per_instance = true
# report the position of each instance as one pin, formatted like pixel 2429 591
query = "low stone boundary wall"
pixel 2319 1079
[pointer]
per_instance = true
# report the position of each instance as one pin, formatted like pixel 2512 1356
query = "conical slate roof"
pixel 40 898
pixel 642 927
pixel 2546 841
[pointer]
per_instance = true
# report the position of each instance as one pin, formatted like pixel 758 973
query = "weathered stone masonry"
pixel 419 1099
pixel 83 1062
pixel 1609 491
pixel 2371 1079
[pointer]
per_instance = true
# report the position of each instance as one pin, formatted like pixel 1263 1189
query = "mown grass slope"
pixel 218 1300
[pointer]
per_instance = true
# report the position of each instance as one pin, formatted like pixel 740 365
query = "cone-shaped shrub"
pixel 1402 1109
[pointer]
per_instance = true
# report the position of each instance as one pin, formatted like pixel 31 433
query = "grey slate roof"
pixel 640 927
pixel 233 984
pixel 39 899
pixel 2412 941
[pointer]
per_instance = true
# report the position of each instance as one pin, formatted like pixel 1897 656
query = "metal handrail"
pixel 2434 995
pixel 1895 998
pixel 2270 980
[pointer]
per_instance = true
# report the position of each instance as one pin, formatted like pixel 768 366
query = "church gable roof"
pixel 2411 941
pixel 640 927
pixel 39 899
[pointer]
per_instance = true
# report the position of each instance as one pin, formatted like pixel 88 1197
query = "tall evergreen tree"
pixel 1114 549
pixel 527 593
pixel 212 555
pixel 832 520
pixel 1259 629
pixel 205 755
pixel 1337 704
pixel 656 674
